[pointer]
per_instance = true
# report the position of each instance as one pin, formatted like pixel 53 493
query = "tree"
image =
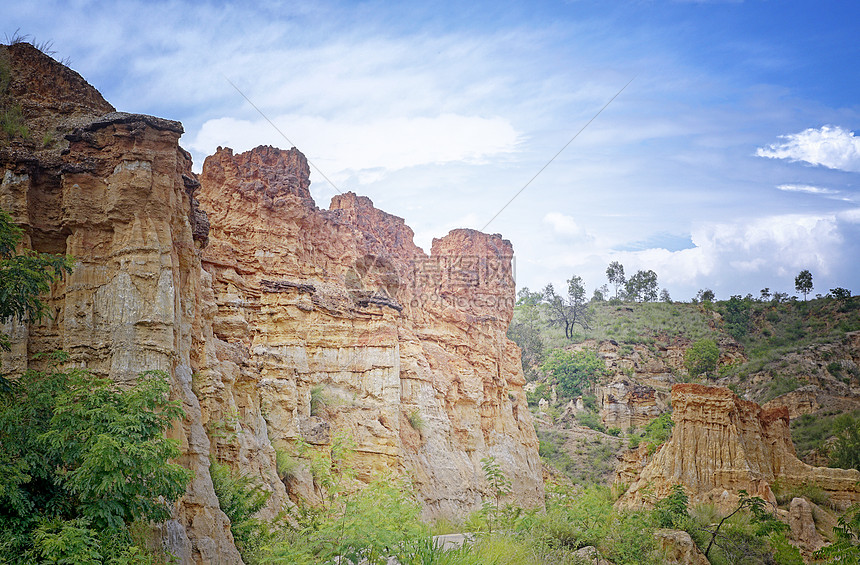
pixel 642 286
pixel 25 276
pixel 570 310
pixel 615 274
pixel 701 357
pixel 574 370
pixel 803 283
pixel 705 295
pixel 671 512
pixel 738 314
pixel 846 548
pixel 765 294
pixel 600 294
pixel 664 296
pixel 81 458
pixel 524 330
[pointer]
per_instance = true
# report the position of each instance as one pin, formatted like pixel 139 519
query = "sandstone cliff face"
pixel 721 444
pixel 287 302
pixel 342 301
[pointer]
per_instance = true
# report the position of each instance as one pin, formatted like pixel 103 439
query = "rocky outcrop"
pixel 802 525
pixel 344 300
pixel 640 377
pixel 627 403
pixel 676 547
pixel 721 444
pixel 275 320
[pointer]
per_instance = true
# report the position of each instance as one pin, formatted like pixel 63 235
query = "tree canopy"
pixel 803 283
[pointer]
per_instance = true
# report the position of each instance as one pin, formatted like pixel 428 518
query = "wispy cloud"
pixel 368 147
pixel 809 189
pixel 829 146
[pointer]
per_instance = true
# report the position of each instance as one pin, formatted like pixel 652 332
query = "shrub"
pixel 240 497
pixel 574 370
pixel 591 420
pixel 415 420
pixel 671 512
pixel 702 357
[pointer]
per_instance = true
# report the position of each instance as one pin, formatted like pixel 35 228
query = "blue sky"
pixel 729 162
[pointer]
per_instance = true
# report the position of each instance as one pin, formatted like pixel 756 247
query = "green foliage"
pixel 415 420
pixel 568 311
pixel 642 286
pixel 380 521
pixel 810 491
pixel 240 497
pixel 702 357
pixel 525 331
pixel 541 391
pixel 591 420
pixel 744 534
pixel 615 275
pixel 846 547
pixel 845 451
pixel 286 464
pixel 671 511
pixel 781 385
pixel 24 276
pixel 657 432
pixel 841 294
pixel 500 485
pixel 318 399
pixel 78 457
pixel 574 370
pixel 803 283
pixel 737 313
pixel 12 122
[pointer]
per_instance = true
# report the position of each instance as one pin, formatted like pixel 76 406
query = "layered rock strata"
pixel 721 444
pixel 406 350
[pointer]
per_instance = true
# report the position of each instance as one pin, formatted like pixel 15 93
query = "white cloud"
pixel 367 149
pixel 760 247
pixel 830 146
pixel 565 226
pixel 809 189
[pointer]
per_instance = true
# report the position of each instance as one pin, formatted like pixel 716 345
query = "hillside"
pixel 803 356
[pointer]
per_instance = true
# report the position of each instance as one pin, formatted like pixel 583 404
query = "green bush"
pixel 240 497
pixel 702 357
pixel 671 511
pixel 415 420
pixel 591 420
pixel 574 370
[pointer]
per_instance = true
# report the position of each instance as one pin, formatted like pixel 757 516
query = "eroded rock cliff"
pixel 344 300
pixel 293 322
pixel 721 444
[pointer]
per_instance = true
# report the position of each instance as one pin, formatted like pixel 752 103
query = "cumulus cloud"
pixel 809 189
pixel 829 146
pixel 748 250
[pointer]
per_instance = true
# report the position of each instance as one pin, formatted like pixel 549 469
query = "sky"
pixel 721 140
